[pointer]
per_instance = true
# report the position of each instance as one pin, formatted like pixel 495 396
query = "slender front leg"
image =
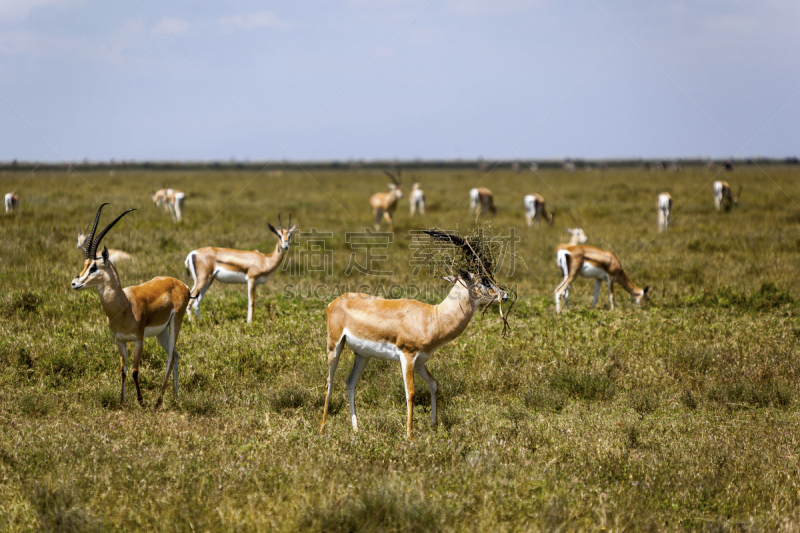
pixel 407 364
pixel 137 355
pixel 596 292
pixel 359 365
pixel 422 370
pixel 378 214
pixel 611 293
pixel 388 217
pixel 123 368
pixel 251 298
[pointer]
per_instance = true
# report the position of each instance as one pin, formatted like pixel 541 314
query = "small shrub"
pixel 644 401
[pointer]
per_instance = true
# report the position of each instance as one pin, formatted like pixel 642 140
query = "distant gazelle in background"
pixel 153 309
pixel 12 202
pixel 591 262
pixel 723 196
pixel 417 203
pixel 535 210
pixel 172 201
pixel 384 203
pixel 115 256
pixel 235 266
pixel 481 199
pixel 664 210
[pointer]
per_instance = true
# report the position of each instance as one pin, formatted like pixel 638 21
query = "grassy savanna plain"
pixel 682 415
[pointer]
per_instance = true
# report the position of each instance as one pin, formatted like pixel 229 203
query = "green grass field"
pixel 680 416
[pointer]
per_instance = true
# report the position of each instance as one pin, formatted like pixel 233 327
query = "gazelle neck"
pixel 455 311
pixel 112 297
pixel 628 285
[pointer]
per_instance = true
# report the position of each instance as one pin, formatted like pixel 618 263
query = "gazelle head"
pixel 578 236
pixel 284 235
pixel 415 187
pixel 396 185
pixel 483 289
pixel 644 296
pixel 96 269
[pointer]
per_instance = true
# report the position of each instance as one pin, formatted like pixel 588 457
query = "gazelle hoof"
pixel 158 404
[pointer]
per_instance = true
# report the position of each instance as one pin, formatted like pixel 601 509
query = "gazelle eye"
pixel 93 269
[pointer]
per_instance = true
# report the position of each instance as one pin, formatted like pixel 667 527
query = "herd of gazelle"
pixel 402 330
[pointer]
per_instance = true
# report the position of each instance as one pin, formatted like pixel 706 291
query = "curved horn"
pixel 92 251
pixel 90 238
pixel 290 221
pixel 395 179
pixel 280 224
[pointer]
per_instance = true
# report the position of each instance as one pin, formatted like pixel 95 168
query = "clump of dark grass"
pixel 374 509
pixel 585 383
pixel 59 510
pixel 544 398
pixel 769 296
pixel 765 392
pixel 288 399
pixel 644 401
pixel 107 398
pixel 689 400
pixel 23 303
pixel 199 405
pixel 33 404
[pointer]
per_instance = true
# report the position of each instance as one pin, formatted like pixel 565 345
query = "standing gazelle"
pixel 236 266
pixel 664 210
pixel 481 199
pixel 152 309
pixel 406 331
pixel 591 262
pixel 417 203
pixel 384 203
pixel 115 256
pixel 12 202
pixel 723 196
pixel 535 210
pixel 172 201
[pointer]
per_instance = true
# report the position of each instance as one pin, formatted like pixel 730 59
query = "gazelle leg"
pixel 407 365
pixel 378 213
pixel 123 368
pixel 422 370
pixel 251 298
pixel 388 218
pixel 596 292
pixel 167 341
pixel 137 356
pixel 611 294
pixel 359 365
pixel 422 209
pixel 334 352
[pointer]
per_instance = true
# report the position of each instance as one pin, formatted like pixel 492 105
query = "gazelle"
pixel 723 196
pixel 235 266
pixel 152 309
pixel 535 210
pixel 417 203
pixel 115 256
pixel 577 236
pixel 664 210
pixel 480 199
pixel 384 203
pixel 406 331
pixel 591 262
pixel 172 201
pixel 12 202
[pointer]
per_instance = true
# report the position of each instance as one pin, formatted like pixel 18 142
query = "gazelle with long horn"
pixel 12 202
pixel 481 199
pixel 152 309
pixel 417 203
pixel 723 195
pixel 664 211
pixel 236 266
pixel 406 331
pixel 172 201
pixel 115 256
pixel 535 209
pixel 591 262
pixel 384 203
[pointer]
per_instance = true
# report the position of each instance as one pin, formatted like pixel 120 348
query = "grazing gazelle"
pixel 664 210
pixel 406 331
pixel 12 202
pixel 236 266
pixel 152 309
pixel 417 200
pixel 384 203
pixel 172 201
pixel 116 256
pixel 723 196
pixel 535 210
pixel 591 262
pixel 480 199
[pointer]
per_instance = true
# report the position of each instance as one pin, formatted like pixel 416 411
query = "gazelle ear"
pixel 451 279
pixel 464 274
pixel 273 230
pixel 105 256
pixel 291 230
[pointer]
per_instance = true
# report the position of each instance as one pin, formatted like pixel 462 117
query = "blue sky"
pixel 441 79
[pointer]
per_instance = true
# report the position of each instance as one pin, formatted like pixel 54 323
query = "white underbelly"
pixel 229 276
pixel 367 348
pixel 151 331
pixel 589 271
